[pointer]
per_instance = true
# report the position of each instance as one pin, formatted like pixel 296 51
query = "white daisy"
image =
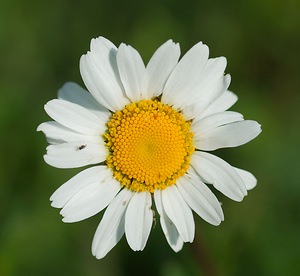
pixel 148 129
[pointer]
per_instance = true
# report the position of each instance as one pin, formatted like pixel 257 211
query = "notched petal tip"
pixel 54 204
pixel 138 221
pixel 259 127
pixel 170 42
pixel 97 43
pixel 81 60
pixel 123 45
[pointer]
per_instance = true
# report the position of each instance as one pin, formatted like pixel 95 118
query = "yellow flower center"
pixel 149 145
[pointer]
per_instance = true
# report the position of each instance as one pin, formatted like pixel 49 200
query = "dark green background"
pixel 40 45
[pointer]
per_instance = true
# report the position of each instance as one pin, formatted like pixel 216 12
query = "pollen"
pixel 149 144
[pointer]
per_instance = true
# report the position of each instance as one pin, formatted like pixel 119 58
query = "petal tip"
pixel 68 220
pixel 40 127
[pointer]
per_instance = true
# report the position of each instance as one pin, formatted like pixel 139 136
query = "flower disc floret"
pixel 150 145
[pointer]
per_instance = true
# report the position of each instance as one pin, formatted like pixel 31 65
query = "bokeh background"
pixel 40 45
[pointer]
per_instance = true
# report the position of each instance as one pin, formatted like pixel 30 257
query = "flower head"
pixel 146 130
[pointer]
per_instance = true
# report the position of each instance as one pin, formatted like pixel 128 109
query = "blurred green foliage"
pixel 41 42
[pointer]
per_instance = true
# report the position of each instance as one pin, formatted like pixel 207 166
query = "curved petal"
pixel 179 213
pixel 185 78
pixel 208 93
pixel 160 67
pixel 75 117
pixel 222 103
pixel 100 74
pixel 201 127
pixel 57 134
pixel 89 74
pixel 168 227
pixel 227 135
pixel 73 93
pixel 213 83
pixel 132 71
pixel 112 226
pixel 138 220
pixel 216 171
pixel 90 200
pixel 66 191
pixel 200 198
pixel 75 154
pixel 248 178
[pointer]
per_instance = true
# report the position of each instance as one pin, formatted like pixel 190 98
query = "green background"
pixel 40 45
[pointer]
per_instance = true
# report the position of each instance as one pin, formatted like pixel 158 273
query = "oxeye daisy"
pixel 145 133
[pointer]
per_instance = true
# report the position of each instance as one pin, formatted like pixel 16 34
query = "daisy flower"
pixel 147 131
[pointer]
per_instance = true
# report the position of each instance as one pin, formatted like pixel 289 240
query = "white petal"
pixel 201 127
pixel 207 93
pixel 132 71
pixel 185 78
pixel 168 227
pixel 248 178
pixel 112 226
pixel 138 220
pixel 75 154
pixel 213 83
pixel 100 74
pixel 89 73
pixel 216 171
pixel 227 135
pixel 90 200
pixel 160 66
pixel 222 103
pixel 75 117
pixel 57 134
pixel 179 213
pixel 73 93
pixel 66 191
pixel 200 198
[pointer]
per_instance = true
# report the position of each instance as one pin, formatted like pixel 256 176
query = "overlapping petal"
pixel 209 93
pixel 58 134
pixel 168 227
pixel 185 80
pixel 249 179
pixel 75 117
pixel 73 93
pixel 66 191
pixel 112 226
pixel 222 130
pixel 91 199
pixel 201 127
pixel 220 104
pixel 179 213
pixel 216 171
pixel 160 67
pixel 100 74
pixel 200 198
pixel 74 154
pixel 138 220
pixel 132 70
